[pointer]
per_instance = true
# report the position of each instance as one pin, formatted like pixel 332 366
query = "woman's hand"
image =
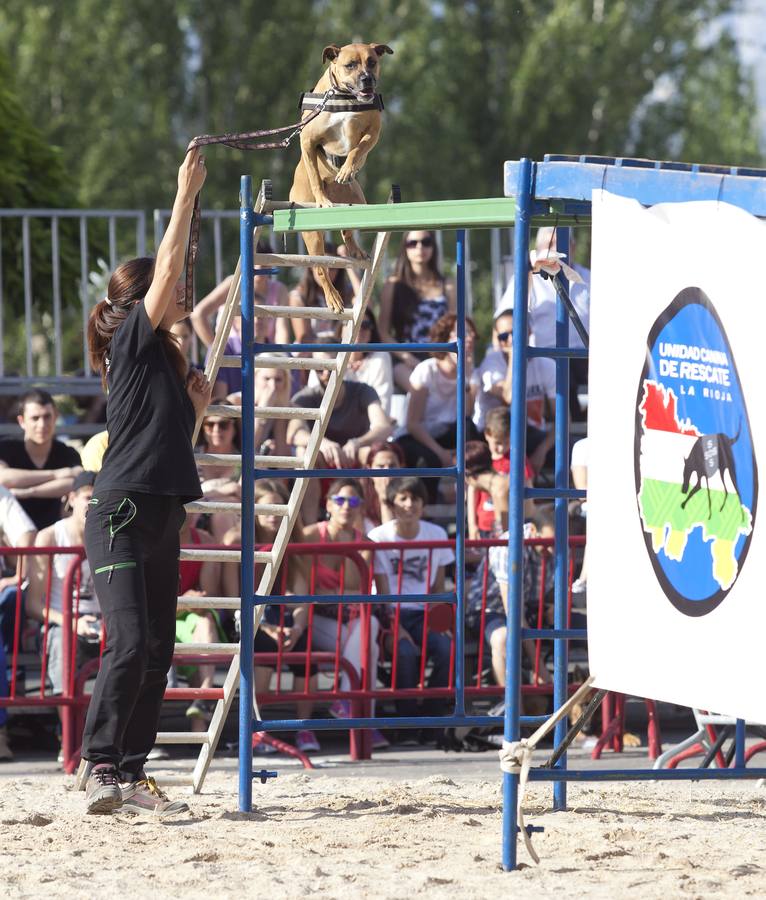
pixel 87 625
pixel 351 451
pixel 447 457
pixel 199 390
pixel 404 635
pixel 333 453
pixel 288 636
pixel 292 636
pixel 192 174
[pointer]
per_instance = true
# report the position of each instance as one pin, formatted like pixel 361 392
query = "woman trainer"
pixel 133 521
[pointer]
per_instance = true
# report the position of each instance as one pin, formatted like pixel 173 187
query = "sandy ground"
pixel 341 834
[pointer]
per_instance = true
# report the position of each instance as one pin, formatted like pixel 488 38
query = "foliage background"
pixel 104 97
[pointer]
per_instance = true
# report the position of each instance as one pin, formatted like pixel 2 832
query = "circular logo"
pixel 696 476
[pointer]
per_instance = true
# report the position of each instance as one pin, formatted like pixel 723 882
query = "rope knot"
pixel 514 755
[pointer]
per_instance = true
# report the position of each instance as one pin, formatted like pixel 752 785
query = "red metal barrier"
pixel 363 689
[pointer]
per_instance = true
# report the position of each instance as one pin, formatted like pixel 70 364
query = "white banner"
pixel 677 425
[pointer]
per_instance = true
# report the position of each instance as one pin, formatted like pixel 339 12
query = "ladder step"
pixel 209 506
pixel 261 509
pixel 209 603
pixel 199 553
pixel 279 362
pixel 226 410
pixel 289 362
pixel 299 261
pixel 286 412
pixel 271 509
pixel 302 312
pixel 231 649
pixel 264 462
pixel 182 737
pixel 230 411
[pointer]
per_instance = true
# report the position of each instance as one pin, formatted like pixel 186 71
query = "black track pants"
pixel 132 543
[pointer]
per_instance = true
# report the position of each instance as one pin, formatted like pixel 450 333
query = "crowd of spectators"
pixel 393 410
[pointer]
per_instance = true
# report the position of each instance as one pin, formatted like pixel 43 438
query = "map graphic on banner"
pixel 676 435
pixel 696 480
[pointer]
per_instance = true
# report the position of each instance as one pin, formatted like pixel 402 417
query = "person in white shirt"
pixel 542 295
pixel 16 530
pixel 492 382
pixel 542 312
pixel 431 435
pixel 408 573
pixel 67 532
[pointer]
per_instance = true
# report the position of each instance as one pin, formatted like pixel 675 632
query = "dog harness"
pixel 335 99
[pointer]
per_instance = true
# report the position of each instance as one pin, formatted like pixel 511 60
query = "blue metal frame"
pixel 247 539
pixel 559 186
pixel 563 185
pixel 247 724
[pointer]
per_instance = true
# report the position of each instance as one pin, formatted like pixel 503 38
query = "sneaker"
pixel 102 791
pixel 379 740
pixel 200 709
pixel 158 753
pixel 143 797
pixel 341 709
pixel 6 754
pixel 306 742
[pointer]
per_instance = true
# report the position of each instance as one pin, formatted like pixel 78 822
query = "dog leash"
pixel 237 141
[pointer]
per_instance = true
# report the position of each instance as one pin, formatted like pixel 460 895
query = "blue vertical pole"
pixel 516 501
pixel 460 485
pixel 739 745
pixel 561 514
pixel 247 575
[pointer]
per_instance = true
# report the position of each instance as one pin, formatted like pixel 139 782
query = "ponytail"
pixel 129 282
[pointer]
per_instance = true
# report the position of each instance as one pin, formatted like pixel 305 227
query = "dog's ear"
pixel 330 52
pixel 380 49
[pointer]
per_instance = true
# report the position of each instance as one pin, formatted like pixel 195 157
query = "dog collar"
pixel 339 102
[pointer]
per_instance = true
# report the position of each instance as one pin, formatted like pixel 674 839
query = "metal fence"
pixel 54 265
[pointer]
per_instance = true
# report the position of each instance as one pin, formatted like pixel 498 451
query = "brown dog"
pixel 334 145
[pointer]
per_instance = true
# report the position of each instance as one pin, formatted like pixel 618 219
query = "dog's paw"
pixel 346 174
pixel 324 202
pixel 333 299
pixel 335 302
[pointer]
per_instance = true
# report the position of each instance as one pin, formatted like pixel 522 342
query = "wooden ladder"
pixel 351 319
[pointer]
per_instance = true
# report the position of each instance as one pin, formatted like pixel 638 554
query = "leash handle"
pixel 237 141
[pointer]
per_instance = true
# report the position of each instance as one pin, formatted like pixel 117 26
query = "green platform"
pixel 492 212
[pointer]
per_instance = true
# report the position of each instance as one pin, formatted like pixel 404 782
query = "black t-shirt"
pixel 43 511
pixel 149 417
pixel 349 419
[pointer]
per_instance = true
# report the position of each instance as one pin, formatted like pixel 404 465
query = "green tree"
pixel 32 175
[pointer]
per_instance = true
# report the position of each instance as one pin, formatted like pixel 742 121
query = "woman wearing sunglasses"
pixel 413 298
pixel 335 574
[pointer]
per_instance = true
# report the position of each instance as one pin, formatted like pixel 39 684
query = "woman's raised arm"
pixel 172 249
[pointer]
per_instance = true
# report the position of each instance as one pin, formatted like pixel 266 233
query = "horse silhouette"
pixel 711 453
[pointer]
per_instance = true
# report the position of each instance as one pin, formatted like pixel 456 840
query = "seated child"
pixel 407 574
